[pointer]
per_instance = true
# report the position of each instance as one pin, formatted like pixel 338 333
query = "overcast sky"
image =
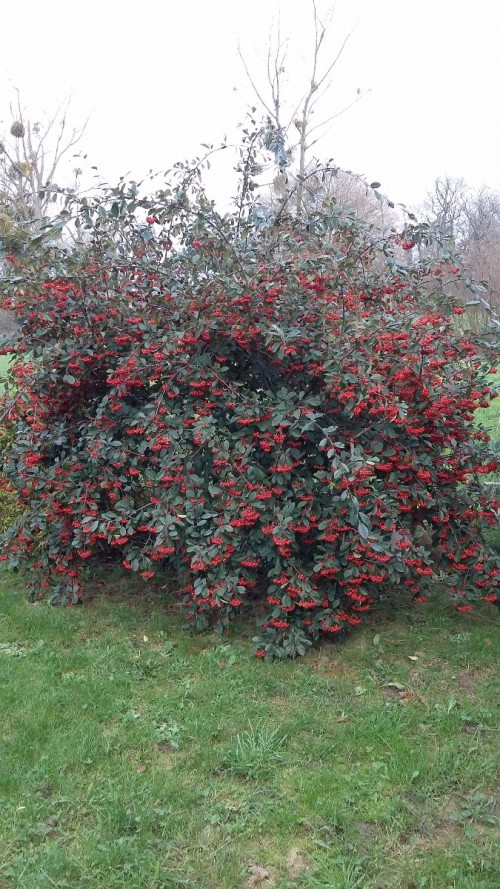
pixel 159 78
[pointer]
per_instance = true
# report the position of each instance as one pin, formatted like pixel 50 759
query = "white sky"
pixel 158 78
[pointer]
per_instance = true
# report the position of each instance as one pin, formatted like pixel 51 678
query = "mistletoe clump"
pixel 278 411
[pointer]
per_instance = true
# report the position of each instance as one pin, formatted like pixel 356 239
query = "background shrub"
pixel 9 506
pixel 9 509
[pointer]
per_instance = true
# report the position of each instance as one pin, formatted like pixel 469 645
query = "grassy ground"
pixel 4 363
pixel 490 416
pixel 135 757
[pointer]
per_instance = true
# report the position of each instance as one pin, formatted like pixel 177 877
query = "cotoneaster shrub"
pixel 278 410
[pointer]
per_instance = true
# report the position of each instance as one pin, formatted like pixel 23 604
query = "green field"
pixel 136 757
pixel 490 416
pixel 4 366
pixel 4 363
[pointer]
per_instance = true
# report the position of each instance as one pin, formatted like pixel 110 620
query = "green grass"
pixel 133 756
pixel 4 364
pixel 490 416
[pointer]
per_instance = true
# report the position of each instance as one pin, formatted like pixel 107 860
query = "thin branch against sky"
pixel 427 113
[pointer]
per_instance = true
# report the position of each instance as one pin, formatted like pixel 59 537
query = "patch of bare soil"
pixel 368 833
pixel 468 679
pixel 295 864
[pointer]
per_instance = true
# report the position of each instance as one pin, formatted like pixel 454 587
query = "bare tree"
pixel 30 156
pixel 481 218
pixel 302 120
pixel 481 241
pixel 446 204
pixel 330 185
pixel 473 220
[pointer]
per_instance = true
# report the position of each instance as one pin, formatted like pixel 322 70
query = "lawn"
pixel 490 416
pixel 4 365
pixel 137 757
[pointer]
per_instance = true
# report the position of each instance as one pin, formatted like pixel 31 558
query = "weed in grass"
pixel 257 750
pixel 168 735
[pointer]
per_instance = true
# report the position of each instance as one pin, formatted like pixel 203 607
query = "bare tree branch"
pixel 318 81
pixel 256 91
pixel 336 114
pixel 28 165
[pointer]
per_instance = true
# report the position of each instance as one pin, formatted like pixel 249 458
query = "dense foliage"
pixel 273 408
